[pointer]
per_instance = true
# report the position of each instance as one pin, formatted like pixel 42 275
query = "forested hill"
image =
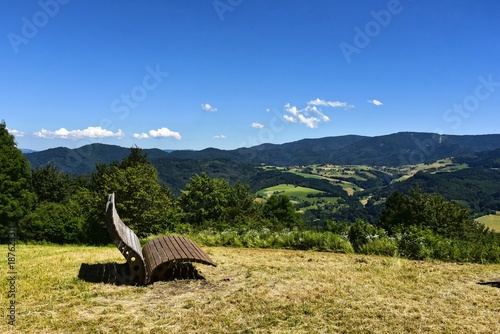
pixel 404 148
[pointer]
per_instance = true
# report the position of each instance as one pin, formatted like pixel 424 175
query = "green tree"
pixel 204 200
pixel 16 196
pixel 50 184
pixel 429 211
pixel 143 204
pixel 280 212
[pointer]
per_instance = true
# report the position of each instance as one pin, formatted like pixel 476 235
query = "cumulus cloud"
pixel 257 125
pixel 160 133
pixel 140 135
pixel 331 104
pixel 90 132
pixel 15 133
pixel 311 116
pixel 219 137
pixel 375 102
pixel 208 107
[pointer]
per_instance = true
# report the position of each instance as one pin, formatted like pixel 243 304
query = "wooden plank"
pixel 178 245
pixel 161 255
pixel 169 253
pixel 197 251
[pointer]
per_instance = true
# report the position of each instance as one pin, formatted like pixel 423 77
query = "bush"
pixel 52 222
pixel 413 244
pixel 361 232
pixel 265 238
pixel 380 246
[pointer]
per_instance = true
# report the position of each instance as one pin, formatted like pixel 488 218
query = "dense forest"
pixel 46 204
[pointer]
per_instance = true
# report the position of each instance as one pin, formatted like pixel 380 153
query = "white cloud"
pixel 164 132
pixel 268 110
pixel 311 116
pixel 375 102
pixel 331 104
pixel 219 137
pixel 15 133
pixel 160 133
pixel 140 135
pixel 257 125
pixel 208 107
pixel 90 132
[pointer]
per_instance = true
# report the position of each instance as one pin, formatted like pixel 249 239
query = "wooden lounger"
pixel 158 257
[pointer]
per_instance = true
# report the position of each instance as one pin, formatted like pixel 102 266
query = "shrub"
pixel 52 222
pixel 380 246
pixel 362 232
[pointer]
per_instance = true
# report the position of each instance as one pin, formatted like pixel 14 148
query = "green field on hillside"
pixel 491 221
pixel 289 190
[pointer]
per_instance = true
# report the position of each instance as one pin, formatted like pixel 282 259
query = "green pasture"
pixel 491 221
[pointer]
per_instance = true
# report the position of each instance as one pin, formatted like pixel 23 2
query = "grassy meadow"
pixel 254 291
pixel 491 221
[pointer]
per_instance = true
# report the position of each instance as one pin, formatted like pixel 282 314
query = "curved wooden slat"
pixel 164 252
pixel 128 244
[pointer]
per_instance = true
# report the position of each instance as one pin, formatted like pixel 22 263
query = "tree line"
pixel 48 205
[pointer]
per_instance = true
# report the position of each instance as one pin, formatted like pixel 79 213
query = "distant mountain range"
pixel 26 150
pixel 403 148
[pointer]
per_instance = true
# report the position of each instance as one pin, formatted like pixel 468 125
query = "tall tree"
pixel 144 205
pixel 214 202
pixel 16 196
pixel 50 184
pixel 280 212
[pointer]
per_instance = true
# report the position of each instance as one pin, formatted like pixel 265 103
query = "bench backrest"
pixel 127 242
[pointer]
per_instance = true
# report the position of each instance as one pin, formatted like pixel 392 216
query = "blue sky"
pixel 233 73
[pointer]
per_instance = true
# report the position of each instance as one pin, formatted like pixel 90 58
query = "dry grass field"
pixel 254 291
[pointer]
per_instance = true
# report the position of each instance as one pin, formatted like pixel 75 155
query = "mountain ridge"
pixel 397 149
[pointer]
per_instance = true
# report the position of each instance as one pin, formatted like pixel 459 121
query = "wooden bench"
pixel 158 258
